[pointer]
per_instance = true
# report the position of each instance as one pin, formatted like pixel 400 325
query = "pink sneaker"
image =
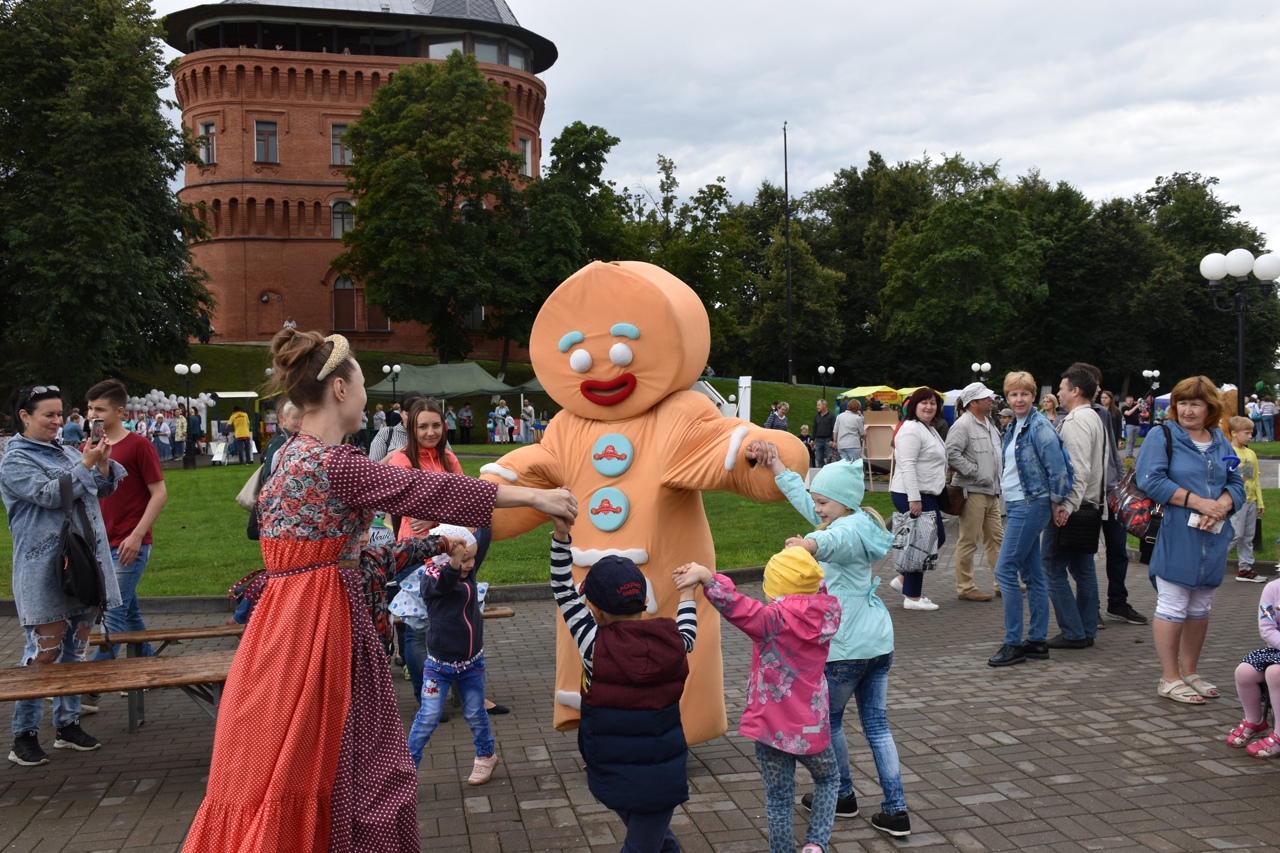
pixel 483 769
pixel 811 848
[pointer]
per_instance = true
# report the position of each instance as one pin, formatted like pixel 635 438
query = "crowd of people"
pixel 1026 484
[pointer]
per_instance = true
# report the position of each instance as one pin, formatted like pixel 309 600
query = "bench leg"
pixel 137 709
pixel 206 696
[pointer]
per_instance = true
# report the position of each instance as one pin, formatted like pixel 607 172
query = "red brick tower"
pixel 270 88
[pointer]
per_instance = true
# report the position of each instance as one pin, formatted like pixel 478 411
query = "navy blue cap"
pixel 616 586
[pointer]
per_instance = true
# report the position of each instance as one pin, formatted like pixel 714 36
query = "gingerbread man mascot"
pixel 618 345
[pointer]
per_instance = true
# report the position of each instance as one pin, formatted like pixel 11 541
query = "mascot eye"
pixel 620 354
pixel 580 360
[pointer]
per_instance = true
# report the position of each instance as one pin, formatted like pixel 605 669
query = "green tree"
pixel 433 179
pixel 973 261
pixel 815 311
pixel 95 272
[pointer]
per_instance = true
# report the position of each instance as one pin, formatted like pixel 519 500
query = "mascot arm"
pixel 533 465
pixel 707 450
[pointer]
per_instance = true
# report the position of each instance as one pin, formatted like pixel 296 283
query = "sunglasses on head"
pixel 36 391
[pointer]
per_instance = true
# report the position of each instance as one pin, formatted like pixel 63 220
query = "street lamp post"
pixel 1153 379
pixel 980 371
pixel 186 371
pixel 1238 263
pixel 392 370
pixel 826 374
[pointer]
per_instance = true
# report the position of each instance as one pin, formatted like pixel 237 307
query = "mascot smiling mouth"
pixel 607 392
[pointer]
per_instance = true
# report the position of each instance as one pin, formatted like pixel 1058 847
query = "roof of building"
pixel 492 16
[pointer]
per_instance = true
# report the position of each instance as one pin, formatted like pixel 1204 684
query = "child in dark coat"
pixel 634 671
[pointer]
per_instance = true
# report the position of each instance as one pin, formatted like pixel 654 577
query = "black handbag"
pixel 79 575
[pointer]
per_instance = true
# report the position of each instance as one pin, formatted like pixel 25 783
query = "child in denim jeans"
pixel 786 711
pixel 847 540
pixel 455 643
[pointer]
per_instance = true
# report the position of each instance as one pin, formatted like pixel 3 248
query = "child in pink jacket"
pixel 786 712
pixel 1259 671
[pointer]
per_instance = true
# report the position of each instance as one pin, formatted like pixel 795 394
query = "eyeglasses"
pixel 36 391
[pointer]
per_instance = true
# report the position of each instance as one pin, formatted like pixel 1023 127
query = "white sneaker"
pixel 922 604
pixel 896 583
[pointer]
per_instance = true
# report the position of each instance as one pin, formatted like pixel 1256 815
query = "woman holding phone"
pixel 56 626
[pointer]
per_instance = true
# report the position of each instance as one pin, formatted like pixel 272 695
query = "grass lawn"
pixel 201 549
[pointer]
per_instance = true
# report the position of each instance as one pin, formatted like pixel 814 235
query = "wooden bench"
pixel 200 676
pixel 164 636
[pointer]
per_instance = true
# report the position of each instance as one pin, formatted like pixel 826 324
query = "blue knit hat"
pixel 841 481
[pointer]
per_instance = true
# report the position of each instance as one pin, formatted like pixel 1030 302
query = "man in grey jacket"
pixel 973 450
pixel 1085 441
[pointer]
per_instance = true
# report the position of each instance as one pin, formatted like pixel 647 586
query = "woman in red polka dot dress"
pixel 310 753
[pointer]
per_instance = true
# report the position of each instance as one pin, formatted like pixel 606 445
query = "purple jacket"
pixel 787 697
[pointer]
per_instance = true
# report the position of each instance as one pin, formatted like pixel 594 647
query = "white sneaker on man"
pixel 921 603
pixel 896 583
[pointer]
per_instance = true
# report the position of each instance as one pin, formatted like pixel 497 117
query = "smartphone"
pixel 97 430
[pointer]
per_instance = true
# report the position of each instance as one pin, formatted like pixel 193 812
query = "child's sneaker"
pixel 74 737
pixel 1247 575
pixel 897 825
pixel 483 769
pixel 811 848
pixel 26 750
pixel 845 806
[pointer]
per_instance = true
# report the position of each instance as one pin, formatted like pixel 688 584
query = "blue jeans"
pixel 866 681
pixel 178 448
pixel 821 451
pixel 1077 614
pixel 243 450
pixel 851 455
pixel 1268 427
pixel 437 678
pixel 1117 545
pixel 1020 558
pixel 648 832
pixel 778 769
pixel 126 617
pixel 71 646
pixel 415 656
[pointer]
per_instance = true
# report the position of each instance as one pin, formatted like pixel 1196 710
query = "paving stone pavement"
pixel 1073 754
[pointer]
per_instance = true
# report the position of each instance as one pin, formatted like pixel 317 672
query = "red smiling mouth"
pixel 607 392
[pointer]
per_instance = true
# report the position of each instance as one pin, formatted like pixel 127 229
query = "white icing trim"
pixel 569 699
pixel 651 597
pixel 498 471
pixel 735 445
pixel 591 556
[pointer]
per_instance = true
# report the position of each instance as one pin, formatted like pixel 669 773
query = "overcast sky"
pixel 1104 95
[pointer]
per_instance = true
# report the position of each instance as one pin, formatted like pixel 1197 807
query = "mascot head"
pixel 614 339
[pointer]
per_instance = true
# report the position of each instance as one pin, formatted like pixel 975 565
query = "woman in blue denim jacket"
pixel 57 627
pixel 1037 477
pixel 1199 490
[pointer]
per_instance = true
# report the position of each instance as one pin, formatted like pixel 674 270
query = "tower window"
pixel 442 49
pixel 266 150
pixel 341 153
pixel 526 151
pixel 208 143
pixel 488 51
pixel 344 305
pixel 344 218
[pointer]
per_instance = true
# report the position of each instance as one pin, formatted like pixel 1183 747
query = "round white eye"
pixel 620 354
pixel 580 360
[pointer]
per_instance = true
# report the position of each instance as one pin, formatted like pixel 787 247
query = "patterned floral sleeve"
pixel 750 616
pixel 379 564
pixel 449 498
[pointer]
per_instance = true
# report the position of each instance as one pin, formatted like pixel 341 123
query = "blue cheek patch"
pixel 569 340
pixel 612 454
pixel 609 509
pixel 624 330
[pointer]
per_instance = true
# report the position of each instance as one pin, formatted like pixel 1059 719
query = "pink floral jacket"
pixel 787 697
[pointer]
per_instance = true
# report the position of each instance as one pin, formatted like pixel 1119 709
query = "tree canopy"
pixel 95 272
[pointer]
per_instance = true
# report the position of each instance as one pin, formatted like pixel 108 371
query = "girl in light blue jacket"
pixel 846 542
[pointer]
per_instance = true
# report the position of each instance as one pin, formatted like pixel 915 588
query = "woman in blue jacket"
pixel 56 625
pixel 1199 489
pixel 1037 477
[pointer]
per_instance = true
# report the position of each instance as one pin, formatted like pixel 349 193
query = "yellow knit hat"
pixel 792 572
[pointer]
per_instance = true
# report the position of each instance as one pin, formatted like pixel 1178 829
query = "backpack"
pixel 79 575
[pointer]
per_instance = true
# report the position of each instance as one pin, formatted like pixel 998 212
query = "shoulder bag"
pixel 1139 514
pixel 79 575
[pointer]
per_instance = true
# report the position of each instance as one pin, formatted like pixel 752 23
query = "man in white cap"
pixel 974 451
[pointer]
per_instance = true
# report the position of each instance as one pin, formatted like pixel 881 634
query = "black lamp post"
pixel 980 371
pixel 393 370
pixel 825 375
pixel 186 371
pixel 1238 263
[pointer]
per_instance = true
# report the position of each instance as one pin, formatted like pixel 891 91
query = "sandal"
pixel 1246 732
pixel 1199 685
pixel 1268 747
pixel 1179 691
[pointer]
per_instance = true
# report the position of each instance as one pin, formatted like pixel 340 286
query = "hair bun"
pixel 292 346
